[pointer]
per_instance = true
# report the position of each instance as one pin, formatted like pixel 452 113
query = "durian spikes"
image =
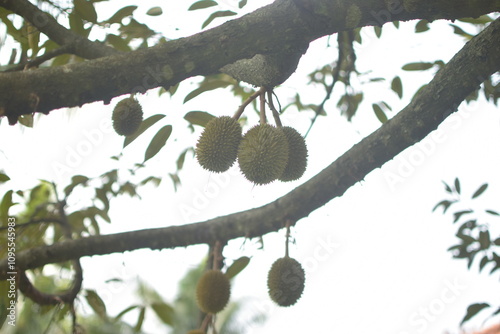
pixel 263 154
pixel 213 291
pixel 127 116
pixel 297 155
pixel 285 281
pixel 217 146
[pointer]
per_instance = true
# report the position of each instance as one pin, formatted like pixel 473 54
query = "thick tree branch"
pixel 462 75
pixel 292 27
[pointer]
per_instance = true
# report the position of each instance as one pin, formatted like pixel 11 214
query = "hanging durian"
pixel 217 146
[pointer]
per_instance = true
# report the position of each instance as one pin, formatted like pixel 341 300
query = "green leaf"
pixel 146 124
pixel 155 11
pixel 175 180
pixel 158 142
pixel 182 157
pixel 200 118
pixel 472 310
pixel 242 3
pixel 237 266
pixel 121 14
pixel 397 86
pixel 379 113
pixel 165 312
pixel 492 212
pixel 76 24
pixel 202 4
pixel 140 320
pixel 4 178
pixel 445 203
pixel 459 214
pixel 85 9
pixel 125 311
pixel 206 86
pixel 483 262
pixel 422 66
pixel 457 185
pixel 479 20
pixel 484 239
pixel 480 190
pixel 459 31
pixel 117 42
pixel 497 241
pixel 26 120
pixel 447 187
pixel 221 13
pixel 96 303
pixel 75 181
pixel 421 26
pixel 5 206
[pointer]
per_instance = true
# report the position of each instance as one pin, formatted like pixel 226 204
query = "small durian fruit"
pixel 297 156
pixel 217 146
pixel 285 281
pixel 127 116
pixel 213 291
pixel 263 154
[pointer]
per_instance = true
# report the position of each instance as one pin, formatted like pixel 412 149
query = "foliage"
pixel 475 236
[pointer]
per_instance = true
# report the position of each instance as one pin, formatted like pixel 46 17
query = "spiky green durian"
pixel 285 281
pixel 127 116
pixel 217 146
pixel 263 154
pixel 297 155
pixel 213 291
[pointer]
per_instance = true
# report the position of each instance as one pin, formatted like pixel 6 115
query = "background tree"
pixel 56 65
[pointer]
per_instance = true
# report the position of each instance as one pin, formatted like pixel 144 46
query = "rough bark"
pixel 462 75
pixel 293 23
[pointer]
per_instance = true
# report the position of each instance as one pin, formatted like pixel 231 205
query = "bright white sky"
pixel 375 259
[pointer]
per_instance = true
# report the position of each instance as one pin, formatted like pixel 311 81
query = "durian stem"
pixel 217 255
pixel 263 106
pixel 287 239
pixel 206 321
pixel 276 114
pixel 240 110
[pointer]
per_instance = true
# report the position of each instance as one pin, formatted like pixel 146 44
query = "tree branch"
pixel 477 60
pixel 43 90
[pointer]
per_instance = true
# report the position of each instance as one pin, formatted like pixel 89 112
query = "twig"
pixel 240 110
pixel 68 48
pixel 276 114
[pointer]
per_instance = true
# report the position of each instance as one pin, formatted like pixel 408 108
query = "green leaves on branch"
pixel 474 237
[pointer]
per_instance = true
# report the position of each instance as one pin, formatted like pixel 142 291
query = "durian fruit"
pixel 285 281
pixel 263 154
pixel 217 146
pixel 213 291
pixel 297 156
pixel 127 116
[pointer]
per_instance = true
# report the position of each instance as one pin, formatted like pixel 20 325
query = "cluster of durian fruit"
pixel 285 282
pixel 265 153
